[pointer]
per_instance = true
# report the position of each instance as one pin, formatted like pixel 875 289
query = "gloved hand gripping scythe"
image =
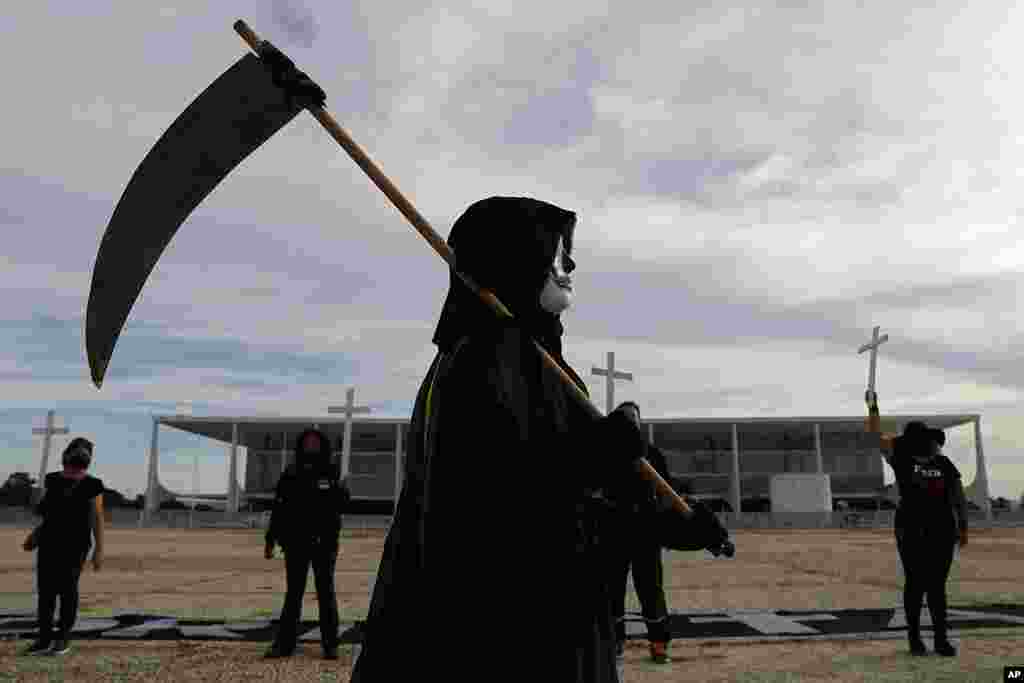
pixel 237 113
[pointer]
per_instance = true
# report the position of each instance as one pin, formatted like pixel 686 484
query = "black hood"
pixel 505 245
pixel 312 459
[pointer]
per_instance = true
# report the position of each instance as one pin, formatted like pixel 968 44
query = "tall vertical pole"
pixel 233 472
pixel 398 463
pixel 152 492
pixel 817 449
pixel 284 451
pixel 47 445
pixel 981 474
pixel 737 498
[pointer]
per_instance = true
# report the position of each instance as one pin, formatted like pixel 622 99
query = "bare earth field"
pixel 221 573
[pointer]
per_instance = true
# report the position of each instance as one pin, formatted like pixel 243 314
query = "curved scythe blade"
pixel 231 118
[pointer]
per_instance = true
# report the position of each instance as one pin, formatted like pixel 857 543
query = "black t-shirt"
pixel 67 511
pixel 926 489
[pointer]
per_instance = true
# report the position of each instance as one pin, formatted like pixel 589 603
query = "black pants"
pixel 631 551
pixel 297 558
pixel 926 554
pixel 58 571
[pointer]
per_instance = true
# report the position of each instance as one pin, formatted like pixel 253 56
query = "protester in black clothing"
pixel 497 525
pixel 306 522
pixel 930 520
pixel 72 511
pixel 631 549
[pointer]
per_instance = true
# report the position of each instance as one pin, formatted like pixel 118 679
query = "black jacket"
pixel 308 505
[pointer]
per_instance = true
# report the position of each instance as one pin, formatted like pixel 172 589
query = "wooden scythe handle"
pixel 441 247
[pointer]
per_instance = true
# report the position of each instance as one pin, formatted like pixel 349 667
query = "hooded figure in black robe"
pixel 492 568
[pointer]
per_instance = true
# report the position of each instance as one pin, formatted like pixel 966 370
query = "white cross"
pixel 349 409
pixel 872 346
pixel 611 375
pixel 770 622
pixel 48 431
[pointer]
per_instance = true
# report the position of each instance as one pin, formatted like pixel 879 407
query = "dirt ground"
pixel 208 573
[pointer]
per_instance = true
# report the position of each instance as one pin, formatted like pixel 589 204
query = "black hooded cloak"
pixel 492 567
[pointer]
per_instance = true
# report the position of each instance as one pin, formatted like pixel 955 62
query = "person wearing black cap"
pixel 497 532
pixel 306 522
pixel 930 520
pixel 72 511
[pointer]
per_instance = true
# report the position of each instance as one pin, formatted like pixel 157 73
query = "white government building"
pixel 730 459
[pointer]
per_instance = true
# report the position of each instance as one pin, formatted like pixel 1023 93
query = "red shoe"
pixel 659 653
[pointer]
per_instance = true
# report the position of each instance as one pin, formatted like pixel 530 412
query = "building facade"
pixel 729 459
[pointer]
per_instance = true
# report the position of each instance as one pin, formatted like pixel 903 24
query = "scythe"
pixel 229 120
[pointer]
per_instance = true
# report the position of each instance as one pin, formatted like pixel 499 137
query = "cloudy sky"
pixel 757 188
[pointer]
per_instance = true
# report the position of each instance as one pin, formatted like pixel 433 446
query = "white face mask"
pixel 557 293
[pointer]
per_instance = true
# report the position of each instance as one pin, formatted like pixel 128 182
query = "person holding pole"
pixel 503 366
pixel 930 520
pixel 633 501
pixel 497 526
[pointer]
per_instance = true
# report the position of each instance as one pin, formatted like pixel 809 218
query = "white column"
pixel 284 451
pixel 398 462
pixel 737 497
pixel 232 506
pixel 152 488
pixel 981 475
pixel 817 449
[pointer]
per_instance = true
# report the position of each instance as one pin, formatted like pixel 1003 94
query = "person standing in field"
pixel 72 511
pixel 930 520
pixel 306 522
pixel 497 529
pixel 631 550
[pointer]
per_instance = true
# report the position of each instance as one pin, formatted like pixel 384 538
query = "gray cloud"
pixel 746 177
pixel 296 20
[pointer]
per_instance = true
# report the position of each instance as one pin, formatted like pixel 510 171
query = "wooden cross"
pixel 48 431
pixel 872 346
pixel 611 375
pixel 349 409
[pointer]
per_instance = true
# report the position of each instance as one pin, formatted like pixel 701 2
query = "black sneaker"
pixel 917 647
pixel 60 647
pixel 945 648
pixel 39 647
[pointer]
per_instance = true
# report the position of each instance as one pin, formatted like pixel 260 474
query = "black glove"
pixel 621 439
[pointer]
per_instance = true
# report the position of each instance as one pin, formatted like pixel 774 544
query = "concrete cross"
pixel 872 346
pixel 349 409
pixel 611 375
pixel 48 431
